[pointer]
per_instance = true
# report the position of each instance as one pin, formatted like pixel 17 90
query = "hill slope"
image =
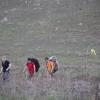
pixel 40 28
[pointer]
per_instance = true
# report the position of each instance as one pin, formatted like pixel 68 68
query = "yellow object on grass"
pixel 93 52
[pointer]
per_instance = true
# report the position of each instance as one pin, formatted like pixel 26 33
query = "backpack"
pixel 55 65
pixel 36 62
pixel 52 58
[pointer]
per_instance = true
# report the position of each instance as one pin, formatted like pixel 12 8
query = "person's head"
pixel 3 58
pixel 29 59
pixel 46 58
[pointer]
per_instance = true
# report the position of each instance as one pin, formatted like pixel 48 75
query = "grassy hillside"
pixel 40 28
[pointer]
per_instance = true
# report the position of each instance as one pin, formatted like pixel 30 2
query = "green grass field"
pixel 40 28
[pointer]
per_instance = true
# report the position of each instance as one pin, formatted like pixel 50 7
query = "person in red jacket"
pixel 30 66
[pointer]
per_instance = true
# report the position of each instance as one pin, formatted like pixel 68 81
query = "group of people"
pixel 32 65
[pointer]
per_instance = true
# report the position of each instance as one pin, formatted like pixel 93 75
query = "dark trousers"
pixel 54 71
pixel 31 74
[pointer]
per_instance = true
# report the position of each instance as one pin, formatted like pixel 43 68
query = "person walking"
pixel 5 69
pixel 31 68
pixel 55 63
pixel 49 66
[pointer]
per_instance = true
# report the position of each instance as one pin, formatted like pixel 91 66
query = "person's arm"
pixel 46 67
pixel 34 68
pixel 1 70
pixel 58 64
pixel 24 69
pixel 52 66
pixel 8 67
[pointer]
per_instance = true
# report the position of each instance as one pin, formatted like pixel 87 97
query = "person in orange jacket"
pixel 49 66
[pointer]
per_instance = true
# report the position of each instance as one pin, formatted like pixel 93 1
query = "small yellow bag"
pixel 93 52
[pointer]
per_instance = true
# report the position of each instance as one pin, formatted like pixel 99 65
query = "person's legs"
pixel 31 74
pixel 50 75
pixel 5 75
pixel 54 71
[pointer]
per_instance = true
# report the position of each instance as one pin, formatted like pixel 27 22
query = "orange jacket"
pixel 49 65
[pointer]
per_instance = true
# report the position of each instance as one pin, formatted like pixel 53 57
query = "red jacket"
pixel 30 66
